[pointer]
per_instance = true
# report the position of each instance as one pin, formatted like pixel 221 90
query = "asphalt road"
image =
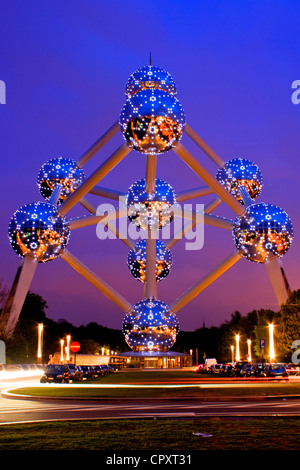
pixel 15 410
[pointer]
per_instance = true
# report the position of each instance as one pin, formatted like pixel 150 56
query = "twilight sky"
pixel 65 66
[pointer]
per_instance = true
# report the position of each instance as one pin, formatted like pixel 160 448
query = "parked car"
pixel 216 368
pixel 275 370
pixel 56 373
pixel 238 367
pixel 76 373
pixel 87 372
pixel 226 370
pixel 257 370
pixel 246 369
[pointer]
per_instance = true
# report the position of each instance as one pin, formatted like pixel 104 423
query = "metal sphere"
pixel 137 260
pixel 152 121
pixel 241 172
pixel 150 326
pixel 150 76
pixel 37 230
pixel 262 232
pixel 63 172
pixel 147 209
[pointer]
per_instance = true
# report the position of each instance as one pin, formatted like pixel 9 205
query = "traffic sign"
pixel 75 347
pixel 262 343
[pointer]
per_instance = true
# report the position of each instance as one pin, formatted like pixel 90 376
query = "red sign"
pixel 74 347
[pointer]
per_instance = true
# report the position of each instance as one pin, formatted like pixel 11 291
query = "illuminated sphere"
pixel 241 172
pixel 262 232
pixel 150 76
pixel 37 230
pixel 145 209
pixel 62 172
pixel 150 326
pixel 137 260
pixel 152 121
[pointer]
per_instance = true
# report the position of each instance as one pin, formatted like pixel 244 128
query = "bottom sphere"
pixel 150 326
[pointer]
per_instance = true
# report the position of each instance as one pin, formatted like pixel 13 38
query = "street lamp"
pixel 232 354
pixel 40 342
pixel 271 342
pixel 237 353
pixel 61 350
pixel 249 350
pixel 68 348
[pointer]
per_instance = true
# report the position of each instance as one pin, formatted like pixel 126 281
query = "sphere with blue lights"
pixel 37 230
pixel 137 260
pixel 152 121
pixel 240 172
pixel 262 232
pixel 150 326
pixel 59 172
pixel 150 76
pixel 150 209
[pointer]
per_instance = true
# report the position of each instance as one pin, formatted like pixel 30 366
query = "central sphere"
pixel 145 209
pixel 262 232
pixel 152 121
pixel 37 230
pixel 150 76
pixel 150 326
pixel 241 172
pixel 137 260
pixel 63 172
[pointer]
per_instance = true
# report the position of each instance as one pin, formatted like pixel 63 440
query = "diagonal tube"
pixel 191 293
pixel 96 281
pixel 196 166
pixel 109 134
pixel 94 178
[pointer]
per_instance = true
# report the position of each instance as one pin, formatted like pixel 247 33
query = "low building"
pixel 155 360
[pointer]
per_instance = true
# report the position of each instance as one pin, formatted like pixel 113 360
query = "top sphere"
pixel 241 172
pixel 150 76
pixel 63 172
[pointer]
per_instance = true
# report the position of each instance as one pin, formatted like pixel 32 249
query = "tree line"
pixel 215 341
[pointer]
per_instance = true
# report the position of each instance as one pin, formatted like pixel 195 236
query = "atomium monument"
pixel 152 122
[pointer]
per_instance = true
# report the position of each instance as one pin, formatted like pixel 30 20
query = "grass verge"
pixel 170 435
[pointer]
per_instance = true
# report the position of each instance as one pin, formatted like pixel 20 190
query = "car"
pixel 275 370
pixel 199 368
pixel 257 370
pixel 87 372
pixel 238 367
pixel 76 373
pixel 246 369
pixel 56 373
pixel 226 370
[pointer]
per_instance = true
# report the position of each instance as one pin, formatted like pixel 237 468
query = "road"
pixel 33 410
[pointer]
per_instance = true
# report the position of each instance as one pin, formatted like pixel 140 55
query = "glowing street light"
pixel 40 342
pixel 237 353
pixel 68 348
pixel 61 350
pixel 249 350
pixel 271 342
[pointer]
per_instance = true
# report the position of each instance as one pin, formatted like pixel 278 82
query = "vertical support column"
pixel 151 285
pixel 15 301
pixel 278 280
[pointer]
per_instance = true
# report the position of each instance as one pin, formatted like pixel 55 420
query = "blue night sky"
pixel 65 66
